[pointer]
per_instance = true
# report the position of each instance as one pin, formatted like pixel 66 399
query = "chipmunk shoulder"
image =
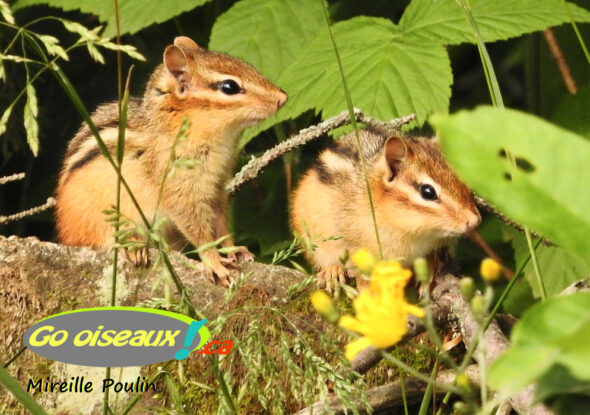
pixel 220 96
pixel 420 204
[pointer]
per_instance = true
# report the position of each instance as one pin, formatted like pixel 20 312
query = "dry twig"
pixel 564 69
pixel 18 216
pixel 11 178
pixel 254 166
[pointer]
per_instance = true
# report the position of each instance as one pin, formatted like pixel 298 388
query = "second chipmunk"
pixel 420 205
pixel 220 96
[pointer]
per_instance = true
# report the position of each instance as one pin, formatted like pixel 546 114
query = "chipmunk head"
pixel 420 192
pixel 223 90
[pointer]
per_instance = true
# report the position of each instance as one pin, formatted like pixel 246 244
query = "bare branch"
pixel 254 166
pixel 11 178
pixel 389 396
pixel 29 212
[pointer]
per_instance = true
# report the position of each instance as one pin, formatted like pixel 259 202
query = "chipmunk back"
pixel 419 202
pixel 220 96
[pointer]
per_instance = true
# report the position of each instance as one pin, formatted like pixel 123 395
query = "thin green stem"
pixel 13 358
pixel 122 101
pixel 355 128
pixel 429 390
pixel 224 389
pixel 529 241
pixel 578 34
pixel 483 389
pixel 402 384
pixel 105 396
pixel 416 374
pixel 119 65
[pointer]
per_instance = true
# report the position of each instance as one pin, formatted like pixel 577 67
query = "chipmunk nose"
pixel 282 99
pixel 473 219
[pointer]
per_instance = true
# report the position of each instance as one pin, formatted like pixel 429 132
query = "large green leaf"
pixel 134 15
pixel 546 190
pixel 388 76
pixel 444 21
pixel 560 267
pixel 271 33
pixel 552 335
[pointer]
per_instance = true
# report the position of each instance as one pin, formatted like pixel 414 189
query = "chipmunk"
pixel 420 205
pixel 220 95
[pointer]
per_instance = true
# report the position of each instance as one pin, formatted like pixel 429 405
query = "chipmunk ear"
pixel 185 43
pixel 396 151
pixel 175 61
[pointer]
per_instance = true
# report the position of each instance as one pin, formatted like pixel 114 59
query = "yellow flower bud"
pixel 467 288
pixel 490 270
pixel 478 304
pixel 324 305
pixel 463 381
pixel 421 270
pixel 364 260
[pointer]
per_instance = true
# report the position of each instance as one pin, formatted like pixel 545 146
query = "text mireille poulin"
pixel 79 385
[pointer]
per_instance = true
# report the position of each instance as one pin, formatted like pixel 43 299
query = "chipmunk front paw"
pixel 241 254
pixel 139 257
pixel 330 276
pixel 218 275
pixel 214 270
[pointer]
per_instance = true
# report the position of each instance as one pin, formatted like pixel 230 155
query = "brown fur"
pixel 331 200
pixel 194 200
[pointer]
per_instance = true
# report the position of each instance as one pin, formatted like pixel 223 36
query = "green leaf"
pixel 558 380
pixel 388 76
pixel 30 119
pixel 134 15
pixel 52 45
pixel 556 331
pixel 572 112
pixel 292 23
pixel 5 117
pixel 560 267
pixel 544 191
pixel 443 21
pixel 6 12
pixel 521 366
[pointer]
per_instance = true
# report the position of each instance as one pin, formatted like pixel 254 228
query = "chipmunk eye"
pixel 427 192
pixel 229 87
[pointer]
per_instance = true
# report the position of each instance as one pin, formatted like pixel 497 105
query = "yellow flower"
pixel 381 310
pixel 490 270
pixel 364 260
pixel 324 305
pixel 355 347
